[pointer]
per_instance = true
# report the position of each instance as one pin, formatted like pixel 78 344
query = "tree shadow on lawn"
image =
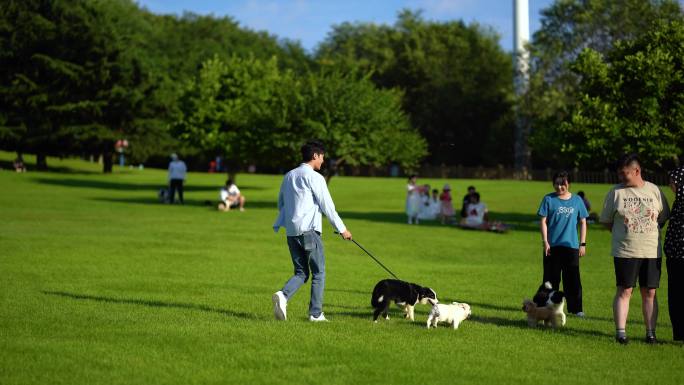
pixel 517 221
pixel 8 165
pixel 211 204
pixel 118 186
pixel 153 303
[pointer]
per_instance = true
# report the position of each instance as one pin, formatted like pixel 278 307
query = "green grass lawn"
pixel 102 284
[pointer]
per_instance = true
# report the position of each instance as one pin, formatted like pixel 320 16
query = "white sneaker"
pixel 320 318
pixel 279 306
pixel 580 314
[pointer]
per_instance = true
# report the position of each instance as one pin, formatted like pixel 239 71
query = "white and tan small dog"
pixel 453 313
pixel 550 314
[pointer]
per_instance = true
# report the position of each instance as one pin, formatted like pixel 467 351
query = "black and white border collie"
pixel 404 294
pixel 547 296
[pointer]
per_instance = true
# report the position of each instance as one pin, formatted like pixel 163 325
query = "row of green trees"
pixel 257 113
pixel 607 78
pixel 80 74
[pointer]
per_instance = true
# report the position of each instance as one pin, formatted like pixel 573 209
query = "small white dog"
pixel 453 313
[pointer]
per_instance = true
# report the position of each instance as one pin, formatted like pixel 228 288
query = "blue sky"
pixel 309 21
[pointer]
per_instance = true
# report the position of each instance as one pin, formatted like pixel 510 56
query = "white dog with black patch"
pixel 453 313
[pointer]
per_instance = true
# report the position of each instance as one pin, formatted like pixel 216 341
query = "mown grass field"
pixel 101 284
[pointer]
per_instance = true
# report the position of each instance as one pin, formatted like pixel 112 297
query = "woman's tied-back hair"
pixel 310 148
pixel 560 178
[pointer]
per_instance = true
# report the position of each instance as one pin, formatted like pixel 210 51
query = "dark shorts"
pixel 646 269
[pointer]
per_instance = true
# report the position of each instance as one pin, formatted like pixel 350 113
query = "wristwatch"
pixel 583 244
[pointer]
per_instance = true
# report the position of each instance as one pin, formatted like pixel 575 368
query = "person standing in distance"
pixel 303 197
pixel 634 211
pixel 177 171
pixel 560 213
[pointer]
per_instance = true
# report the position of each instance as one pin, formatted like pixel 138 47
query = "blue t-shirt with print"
pixel 562 217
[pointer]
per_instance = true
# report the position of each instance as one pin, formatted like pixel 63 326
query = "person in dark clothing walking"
pixel 674 253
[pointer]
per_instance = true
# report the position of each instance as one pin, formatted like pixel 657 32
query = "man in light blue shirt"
pixel 303 197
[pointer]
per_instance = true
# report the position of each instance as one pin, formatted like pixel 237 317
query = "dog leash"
pixel 371 255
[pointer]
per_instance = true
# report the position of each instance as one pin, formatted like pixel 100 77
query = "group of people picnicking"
pixel 424 203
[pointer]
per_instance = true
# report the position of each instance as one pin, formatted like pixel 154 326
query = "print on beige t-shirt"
pixel 636 213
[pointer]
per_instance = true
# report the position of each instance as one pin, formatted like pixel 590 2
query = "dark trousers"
pixel 176 184
pixel 563 262
pixel 675 296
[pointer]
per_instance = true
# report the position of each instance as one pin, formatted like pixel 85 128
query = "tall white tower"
pixel 521 58
pixel 521 36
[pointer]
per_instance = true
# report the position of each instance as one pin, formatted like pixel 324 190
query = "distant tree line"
pixel 78 75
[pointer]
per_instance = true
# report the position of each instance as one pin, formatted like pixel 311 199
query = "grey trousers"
pixel 306 251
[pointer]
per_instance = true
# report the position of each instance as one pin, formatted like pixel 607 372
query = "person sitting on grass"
pixel 466 201
pixel 478 216
pixel 426 211
pixel 435 204
pixel 19 164
pixel 446 212
pixel 231 197
pixel 593 217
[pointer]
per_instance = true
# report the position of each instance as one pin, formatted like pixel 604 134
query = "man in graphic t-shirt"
pixel 634 211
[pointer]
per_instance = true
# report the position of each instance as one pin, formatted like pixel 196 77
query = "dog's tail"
pixel 547 285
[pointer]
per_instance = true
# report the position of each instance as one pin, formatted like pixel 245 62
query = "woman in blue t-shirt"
pixel 560 214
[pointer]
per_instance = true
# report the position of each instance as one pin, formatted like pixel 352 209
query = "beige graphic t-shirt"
pixel 635 213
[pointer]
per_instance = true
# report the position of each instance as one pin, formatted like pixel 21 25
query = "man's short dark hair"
pixel 627 160
pixel 560 178
pixel 471 188
pixel 310 148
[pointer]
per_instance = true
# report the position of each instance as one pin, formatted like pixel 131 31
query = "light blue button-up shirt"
pixel 303 197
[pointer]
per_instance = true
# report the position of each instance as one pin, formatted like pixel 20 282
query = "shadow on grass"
pixel 522 324
pixel 210 204
pixel 517 221
pixel 8 165
pixel 368 293
pixel 516 309
pixel 489 306
pixel 153 303
pixel 118 186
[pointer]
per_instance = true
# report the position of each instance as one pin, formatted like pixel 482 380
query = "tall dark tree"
pixel 456 79
pixel 254 113
pixel 630 100
pixel 567 29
